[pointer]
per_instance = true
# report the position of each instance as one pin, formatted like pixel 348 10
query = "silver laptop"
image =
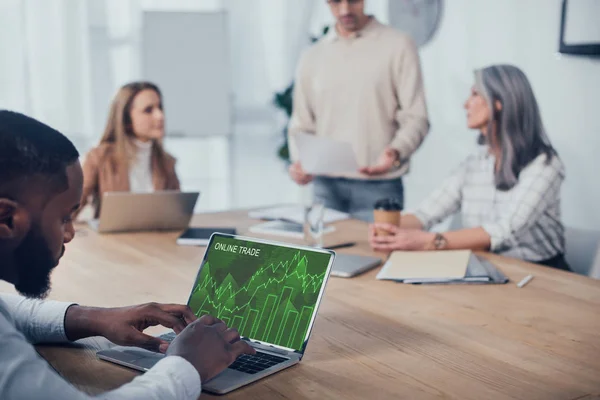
pixel 269 291
pixel 349 265
pixel 129 212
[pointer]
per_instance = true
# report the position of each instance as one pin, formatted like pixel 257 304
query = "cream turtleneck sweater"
pixel 140 170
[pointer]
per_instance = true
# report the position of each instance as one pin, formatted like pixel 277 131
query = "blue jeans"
pixel 354 196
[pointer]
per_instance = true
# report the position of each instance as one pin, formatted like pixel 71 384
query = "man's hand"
pixel 125 325
pixel 399 239
pixel 384 163
pixel 209 346
pixel 298 175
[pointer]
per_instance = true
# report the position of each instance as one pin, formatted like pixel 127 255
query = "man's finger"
pixel 241 347
pixel 220 327
pixel 296 168
pixel 167 319
pixel 209 320
pixel 378 169
pixel 147 342
pixel 231 335
pixel 180 311
pixel 375 171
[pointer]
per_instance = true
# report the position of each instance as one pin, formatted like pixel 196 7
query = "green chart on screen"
pixel 267 292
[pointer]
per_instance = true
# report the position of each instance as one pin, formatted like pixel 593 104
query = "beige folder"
pixel 450 264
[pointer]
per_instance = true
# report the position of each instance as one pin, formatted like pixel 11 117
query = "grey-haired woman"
pixel 508 192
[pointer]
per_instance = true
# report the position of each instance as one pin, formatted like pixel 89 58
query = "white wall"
pixel 267 37
pixel 476 33
pixel 46 77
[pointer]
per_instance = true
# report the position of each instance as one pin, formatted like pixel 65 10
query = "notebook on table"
pixel 451 266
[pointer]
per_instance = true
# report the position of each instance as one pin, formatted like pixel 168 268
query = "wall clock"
pixel 418 18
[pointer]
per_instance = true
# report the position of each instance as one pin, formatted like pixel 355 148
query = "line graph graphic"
pixel 270 297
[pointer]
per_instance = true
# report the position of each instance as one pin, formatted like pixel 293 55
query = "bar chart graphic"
pixel 270 298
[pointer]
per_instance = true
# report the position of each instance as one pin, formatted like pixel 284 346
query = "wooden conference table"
pixel 372 339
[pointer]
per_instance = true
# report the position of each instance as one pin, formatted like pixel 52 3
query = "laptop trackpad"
pixel 131 357
pixel 148 362
pixel 226 381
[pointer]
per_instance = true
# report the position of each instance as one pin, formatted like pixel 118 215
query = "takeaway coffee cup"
pixel 387 211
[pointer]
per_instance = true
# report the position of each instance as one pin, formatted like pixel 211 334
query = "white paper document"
pixel 295 214
pixel 320 155
pixel 284 228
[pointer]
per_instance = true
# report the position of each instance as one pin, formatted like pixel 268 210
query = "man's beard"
pixel 34 262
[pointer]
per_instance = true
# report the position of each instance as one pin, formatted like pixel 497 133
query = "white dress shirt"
pixel 24 375
pixel 140 170
pixel 523 222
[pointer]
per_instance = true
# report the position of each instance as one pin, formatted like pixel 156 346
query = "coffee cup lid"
pixel 388 204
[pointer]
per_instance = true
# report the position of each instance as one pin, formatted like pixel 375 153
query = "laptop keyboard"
pixel 168 337
pixel 245 363
pixel 256 363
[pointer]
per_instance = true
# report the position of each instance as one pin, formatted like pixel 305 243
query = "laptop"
pixel 130 212
pixel 350 265
pixel 269 291
pixel 201 236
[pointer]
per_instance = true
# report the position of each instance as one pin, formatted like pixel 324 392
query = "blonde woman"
pixel 130 155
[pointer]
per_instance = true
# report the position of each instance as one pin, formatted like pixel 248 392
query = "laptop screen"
pixel 268 292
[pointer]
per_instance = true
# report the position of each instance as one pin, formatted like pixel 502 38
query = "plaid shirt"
pixel 523 222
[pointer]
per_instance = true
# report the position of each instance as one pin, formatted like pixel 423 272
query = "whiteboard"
pixel 187 55
pixel 582 24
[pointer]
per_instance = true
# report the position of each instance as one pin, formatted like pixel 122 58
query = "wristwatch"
pixel 439 242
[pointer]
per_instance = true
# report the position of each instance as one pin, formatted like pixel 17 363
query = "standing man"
pixel 360 84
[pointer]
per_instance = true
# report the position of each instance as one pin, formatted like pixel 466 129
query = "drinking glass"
pixel 313 224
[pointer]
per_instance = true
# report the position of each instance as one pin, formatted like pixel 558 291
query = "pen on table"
pixel 525 281
pixel 339 246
